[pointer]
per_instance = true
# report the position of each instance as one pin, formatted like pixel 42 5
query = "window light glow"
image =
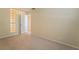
pixel 13 20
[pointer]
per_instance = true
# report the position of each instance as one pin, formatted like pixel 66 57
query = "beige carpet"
pixel 28 42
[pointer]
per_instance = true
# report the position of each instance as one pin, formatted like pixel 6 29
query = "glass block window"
pixel 13 20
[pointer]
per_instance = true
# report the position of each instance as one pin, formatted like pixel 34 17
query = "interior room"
pixel 39 29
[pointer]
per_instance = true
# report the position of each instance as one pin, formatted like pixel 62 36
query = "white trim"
pixel 9 35
pixel 57 41
pixel 64 43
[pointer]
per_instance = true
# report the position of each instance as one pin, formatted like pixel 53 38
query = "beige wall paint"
pixel 4 21
pixel 29 23
pixel 60 24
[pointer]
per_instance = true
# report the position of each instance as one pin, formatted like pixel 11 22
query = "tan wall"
pixel 60 24
pixel 29 23
pixel 4 22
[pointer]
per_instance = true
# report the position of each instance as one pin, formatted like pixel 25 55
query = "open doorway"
pixel 25 24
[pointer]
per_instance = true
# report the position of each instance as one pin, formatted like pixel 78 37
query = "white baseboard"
pixel 8 35
pixel 57 41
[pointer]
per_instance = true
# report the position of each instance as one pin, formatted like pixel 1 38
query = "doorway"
pixel 24 24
